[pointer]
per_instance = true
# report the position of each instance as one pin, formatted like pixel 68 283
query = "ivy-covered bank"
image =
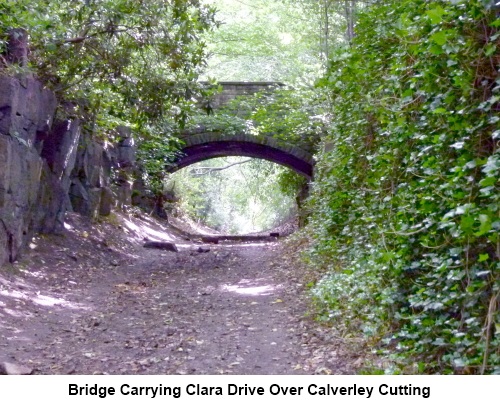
pixel 406 199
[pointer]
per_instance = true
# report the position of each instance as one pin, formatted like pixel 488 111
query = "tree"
pixel 132 61
pixel 336 20
pixel 262 40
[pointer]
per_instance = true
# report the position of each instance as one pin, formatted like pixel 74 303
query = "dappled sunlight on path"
pixel 251 287
pixel 95 301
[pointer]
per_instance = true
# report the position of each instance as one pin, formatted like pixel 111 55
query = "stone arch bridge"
pixel 199 146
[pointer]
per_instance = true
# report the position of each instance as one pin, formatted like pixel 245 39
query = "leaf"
pixel 439 342
pixel 51 47
pixel 485 226
pixel 483 257
pixel 458 145
pixel 488 181
pixel 467 223
pixel 436 49
pixel 490 49
pixel 471 164
pixel 439 38
pixel 436 14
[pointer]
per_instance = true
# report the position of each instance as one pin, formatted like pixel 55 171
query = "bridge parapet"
pixel 232 90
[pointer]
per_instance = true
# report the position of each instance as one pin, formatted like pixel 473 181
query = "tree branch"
pixel 77 40
pixel 202 171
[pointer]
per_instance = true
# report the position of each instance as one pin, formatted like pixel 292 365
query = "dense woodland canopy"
pixel 399 98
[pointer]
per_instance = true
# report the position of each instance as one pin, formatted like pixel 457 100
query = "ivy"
pixel 406 204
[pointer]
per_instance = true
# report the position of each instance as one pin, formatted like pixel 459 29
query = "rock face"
pixel 125 152
pixel 59 154
pixel 26 109
pixel 49 166
pixel 26 113
pixel 90 192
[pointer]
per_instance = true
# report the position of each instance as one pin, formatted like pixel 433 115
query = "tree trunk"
pixel 326 30
pixel 349 9
pixel 159 210
pixel 17 47
pixel 299 199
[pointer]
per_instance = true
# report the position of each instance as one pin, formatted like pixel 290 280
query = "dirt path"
pixel 231 310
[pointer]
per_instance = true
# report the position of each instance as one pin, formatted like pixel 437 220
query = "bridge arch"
pixel 199 147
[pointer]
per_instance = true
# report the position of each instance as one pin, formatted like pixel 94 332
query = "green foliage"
pixel 222 121
pixel 263 40
pixel 133 62
pixel 293 115
pixel 333 21
pixel 233 195
pixel 158 148
pixel 407 203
